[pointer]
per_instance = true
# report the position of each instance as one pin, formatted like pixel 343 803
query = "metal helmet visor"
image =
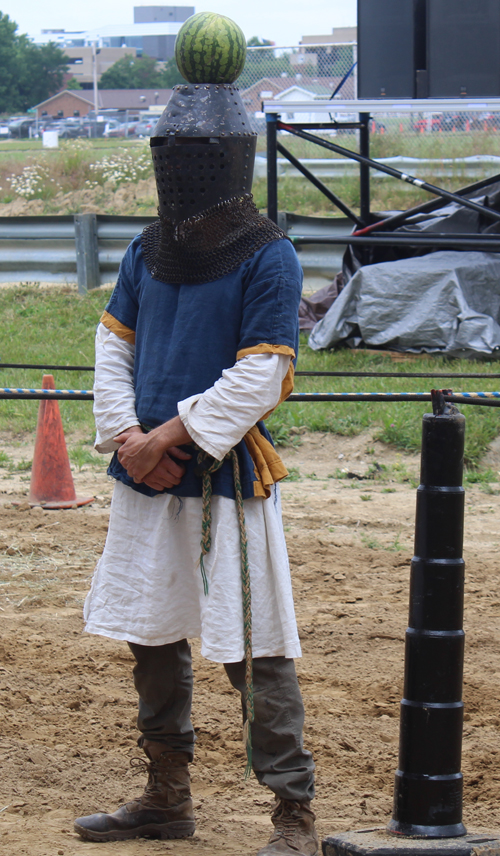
pixel 203 150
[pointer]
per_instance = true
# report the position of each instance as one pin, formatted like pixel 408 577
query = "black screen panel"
pixel 391 45
pixel 463 48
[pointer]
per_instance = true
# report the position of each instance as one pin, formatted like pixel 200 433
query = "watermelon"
pixel 210 48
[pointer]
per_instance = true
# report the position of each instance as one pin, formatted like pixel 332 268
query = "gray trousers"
pixel 163 678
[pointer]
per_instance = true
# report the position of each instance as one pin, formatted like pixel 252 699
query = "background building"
pixel 81 62
pixel 153 32
pixel 161 45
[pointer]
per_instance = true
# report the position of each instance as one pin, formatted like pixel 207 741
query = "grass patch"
pixel 82 456
pixel 398 424
pixel 57 326
pixel 101 166
pixel 52 326
pixel 37 173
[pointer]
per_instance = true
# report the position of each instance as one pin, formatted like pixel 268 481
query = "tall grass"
pixel 76 165
pixel 103 166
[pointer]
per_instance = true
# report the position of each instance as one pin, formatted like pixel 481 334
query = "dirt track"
pixel 67 703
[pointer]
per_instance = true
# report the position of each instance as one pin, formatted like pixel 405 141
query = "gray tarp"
pixel 446 302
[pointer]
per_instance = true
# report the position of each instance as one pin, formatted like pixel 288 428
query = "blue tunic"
pixel 186 335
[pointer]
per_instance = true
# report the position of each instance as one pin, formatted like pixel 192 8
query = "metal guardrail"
pixel 81 248
pixel 337 167
pixel 87 248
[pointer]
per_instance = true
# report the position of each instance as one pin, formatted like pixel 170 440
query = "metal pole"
pixel 490 213
pixel 426 207
pixel 87 252
pixel 364 169
pixel 429 784
pixel 453 241
pixel 319 184
pixel 272 166
pixel 96 96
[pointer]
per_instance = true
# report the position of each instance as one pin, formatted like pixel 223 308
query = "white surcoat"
pixel 147 587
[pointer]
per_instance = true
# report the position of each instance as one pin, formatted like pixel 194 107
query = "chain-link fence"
pixel 304 73
pixel 449 148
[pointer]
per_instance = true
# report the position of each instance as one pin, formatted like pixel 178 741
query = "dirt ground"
pixel 67 702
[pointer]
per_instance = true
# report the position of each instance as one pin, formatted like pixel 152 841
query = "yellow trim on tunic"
pixel 267 464
pixel 266 348
pixel 118 328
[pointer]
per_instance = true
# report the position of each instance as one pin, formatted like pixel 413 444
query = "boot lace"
pixel 140 765
pixel 286 823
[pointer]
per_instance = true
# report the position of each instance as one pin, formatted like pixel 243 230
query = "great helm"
pixel 203 150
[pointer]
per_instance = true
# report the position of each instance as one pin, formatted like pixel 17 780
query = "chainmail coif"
pixel 209 245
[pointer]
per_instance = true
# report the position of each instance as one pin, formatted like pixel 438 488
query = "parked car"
pixel 123 129
pixel 485 122
pixel 71 128
pixel 20 126
pixel 146 127
pixel 431 122
pixel 441 122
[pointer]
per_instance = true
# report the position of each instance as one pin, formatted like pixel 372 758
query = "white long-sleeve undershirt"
pixel 216 419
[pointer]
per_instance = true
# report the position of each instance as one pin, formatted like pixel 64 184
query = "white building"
pixel 153 32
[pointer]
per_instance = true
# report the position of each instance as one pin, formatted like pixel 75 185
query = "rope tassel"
pixel 207 466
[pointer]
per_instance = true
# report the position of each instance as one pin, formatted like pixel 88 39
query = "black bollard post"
pixel 429 784
pixel 428 787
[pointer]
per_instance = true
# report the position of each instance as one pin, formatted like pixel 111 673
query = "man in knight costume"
pixel 195 347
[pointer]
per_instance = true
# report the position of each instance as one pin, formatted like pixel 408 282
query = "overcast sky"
pixel 281 21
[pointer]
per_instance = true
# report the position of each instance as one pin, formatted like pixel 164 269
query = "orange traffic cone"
pixel 51 480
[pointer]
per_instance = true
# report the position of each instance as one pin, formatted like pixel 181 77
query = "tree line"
pixel 32 73
pixel 145 73
pixel 29 73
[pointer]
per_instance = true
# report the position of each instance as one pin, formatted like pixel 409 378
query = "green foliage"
pixel 73 83
pixel 8 63
pixel 42 72
pixel 143 72
pixel 131 72
pixel 29 73
pixel 262 63
pixel 480 477
pixel 170 74
pixel 82 456
pixel 74 165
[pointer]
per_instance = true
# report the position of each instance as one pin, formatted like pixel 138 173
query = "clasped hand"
pixel 147 461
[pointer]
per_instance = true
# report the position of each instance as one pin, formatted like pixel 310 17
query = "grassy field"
pixel 103 166
pixel 56 326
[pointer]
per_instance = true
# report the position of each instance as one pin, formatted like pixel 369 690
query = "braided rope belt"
pixel 208 466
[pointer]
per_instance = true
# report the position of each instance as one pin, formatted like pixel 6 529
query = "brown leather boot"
pixel 294 833
pixel 165 809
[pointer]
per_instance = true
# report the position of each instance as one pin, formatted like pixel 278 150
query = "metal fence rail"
pixel 87 248
pixel 81 248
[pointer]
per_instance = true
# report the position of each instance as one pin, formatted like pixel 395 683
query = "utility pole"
pixel 95 51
